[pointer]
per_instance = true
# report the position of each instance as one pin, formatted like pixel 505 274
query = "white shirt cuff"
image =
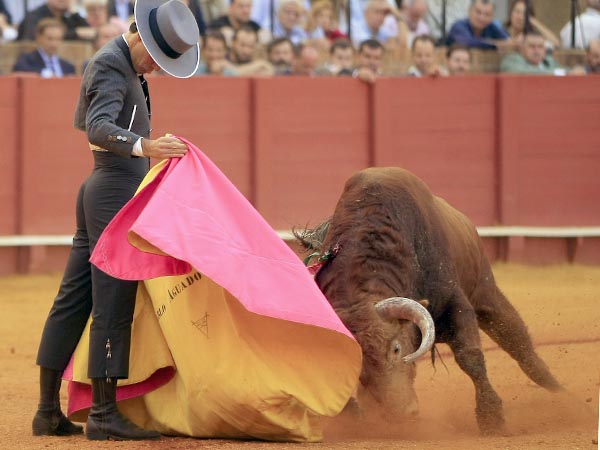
pixel 9 34
pixel 137 148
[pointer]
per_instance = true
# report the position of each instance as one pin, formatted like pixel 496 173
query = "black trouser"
pixel 85 289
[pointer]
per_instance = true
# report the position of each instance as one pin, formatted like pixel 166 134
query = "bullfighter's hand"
pixel 164 147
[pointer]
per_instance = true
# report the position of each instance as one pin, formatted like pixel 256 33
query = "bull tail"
pixel 498 318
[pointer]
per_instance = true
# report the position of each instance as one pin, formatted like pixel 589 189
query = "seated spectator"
pixel 412 15
pixel 357 16
pixel 262 14
pixel 244 45
pixel 458 59
pixel 213 9
pixel 238 15
pixel 593 57
pixel 531 59
pixel 373 27
pixel 213 59
pixel 7 31
pixel 243 51
pixel 96 14
pixel 479 30
pixel 587 27
pixel 44 59
pixel 515 25
pixel 423 56
pixel 196 8
pixel 121 9
pixel 290 14
pixel 58 9
pixel 104 34
pixel 370 60
pixel 280 53
pixel 322 28
pixel 305 60
pixel 341 59
pixel 455 10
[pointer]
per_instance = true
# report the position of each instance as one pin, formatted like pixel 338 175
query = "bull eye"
pixel 396 348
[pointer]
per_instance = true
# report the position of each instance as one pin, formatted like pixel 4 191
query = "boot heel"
pixel 41 427
pixel 96 435
pixel 105 422
pixel 49 419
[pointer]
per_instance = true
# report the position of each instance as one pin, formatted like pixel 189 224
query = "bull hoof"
pixel 492 424
pixel 501 431
pixel 490 417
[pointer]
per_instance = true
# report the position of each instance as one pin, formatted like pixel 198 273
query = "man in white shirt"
pixel 587 27
pixel 16 8
pixel 261 11
pixel 357 17
pixel 374 25
pixel 290 15
pixel 413 15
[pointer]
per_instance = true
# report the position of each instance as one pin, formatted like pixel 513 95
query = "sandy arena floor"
pixel 560 304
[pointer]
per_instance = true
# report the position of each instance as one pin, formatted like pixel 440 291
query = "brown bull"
pixel 390 237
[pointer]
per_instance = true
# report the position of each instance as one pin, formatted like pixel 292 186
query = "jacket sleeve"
pixel 460 34
pixel 106 91
pixel 27 28
pixel 21 65
pixel 5 11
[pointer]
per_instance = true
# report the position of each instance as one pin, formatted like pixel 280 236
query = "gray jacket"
pixel 112 106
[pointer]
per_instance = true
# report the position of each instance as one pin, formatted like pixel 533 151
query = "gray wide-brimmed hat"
pixel 170 34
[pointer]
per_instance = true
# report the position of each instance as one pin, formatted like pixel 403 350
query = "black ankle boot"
pixel 105 421
pixel 49 419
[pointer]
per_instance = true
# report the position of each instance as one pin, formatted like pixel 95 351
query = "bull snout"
pixel 412 410
pixel 408 412
pixel 393 405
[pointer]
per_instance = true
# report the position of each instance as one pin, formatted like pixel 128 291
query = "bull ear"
pixel 405 308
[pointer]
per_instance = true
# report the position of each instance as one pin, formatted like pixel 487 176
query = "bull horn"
pixel 405 308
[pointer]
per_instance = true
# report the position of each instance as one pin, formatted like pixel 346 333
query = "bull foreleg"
pixel 488 409
pixel 465 343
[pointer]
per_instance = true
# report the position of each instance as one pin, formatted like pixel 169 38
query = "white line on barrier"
pixel 541 232
pixel 286 235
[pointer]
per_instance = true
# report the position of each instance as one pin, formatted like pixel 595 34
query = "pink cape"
pixel 197 217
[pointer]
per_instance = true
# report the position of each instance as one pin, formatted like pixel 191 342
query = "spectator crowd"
pixel 318 37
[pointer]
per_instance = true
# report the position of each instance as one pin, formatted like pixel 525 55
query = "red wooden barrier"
pixel 311 135
pixel 550 163
pixel 56 157
pixel 550 160
pixel 510 150
pixel 443 130
pixel 9 163
pixel 215 114
pixel 55 160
